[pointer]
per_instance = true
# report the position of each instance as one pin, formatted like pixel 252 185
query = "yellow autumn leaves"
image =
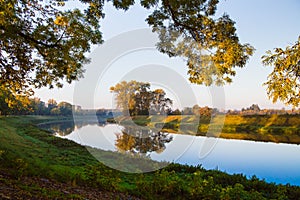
pixel 61 21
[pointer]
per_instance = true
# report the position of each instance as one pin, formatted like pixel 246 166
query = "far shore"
pixel 264 128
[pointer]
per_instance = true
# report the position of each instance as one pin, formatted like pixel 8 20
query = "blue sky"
pixel 264 24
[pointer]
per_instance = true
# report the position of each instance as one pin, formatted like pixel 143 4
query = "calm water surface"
pixel 277 163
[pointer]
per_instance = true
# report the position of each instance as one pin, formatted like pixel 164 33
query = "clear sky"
pixel 265 24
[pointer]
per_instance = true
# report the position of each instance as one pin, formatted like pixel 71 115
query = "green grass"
pixel 22 140
pixel 27 152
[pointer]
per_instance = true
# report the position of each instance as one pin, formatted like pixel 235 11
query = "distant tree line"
pixel 12 104
pixel 23 105
pixel 254 109
pixel 196 110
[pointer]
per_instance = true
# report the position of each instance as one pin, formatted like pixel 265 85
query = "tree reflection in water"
pixel 61 128
pixel 137 140
pixel 132 140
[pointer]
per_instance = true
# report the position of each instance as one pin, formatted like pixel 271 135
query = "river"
pixel 272 162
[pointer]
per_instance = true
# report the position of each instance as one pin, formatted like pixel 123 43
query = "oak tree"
pixel 128 96
pixel 136 98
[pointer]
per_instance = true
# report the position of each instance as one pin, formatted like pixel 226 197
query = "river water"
pixel 273 162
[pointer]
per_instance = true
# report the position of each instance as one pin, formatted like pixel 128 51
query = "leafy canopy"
pixel 136 98
pixel 210 45
pixel 126 93
pixel 284 81
pixel 12 104
pixel 43 44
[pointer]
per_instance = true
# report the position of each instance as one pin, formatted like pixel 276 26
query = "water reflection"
pixel 130 139
pixel 273 162
pixel 137 140
pixel 64 128
pixel 60 128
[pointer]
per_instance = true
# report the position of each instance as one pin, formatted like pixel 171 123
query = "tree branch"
pixel 29 38
pixel 192 30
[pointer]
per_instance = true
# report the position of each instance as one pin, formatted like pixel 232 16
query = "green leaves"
pixel 210 46
pixel 125 95
pixel 122 4
pixel 149 3
pixel 42 46
pixel 136 98
pixel 284 81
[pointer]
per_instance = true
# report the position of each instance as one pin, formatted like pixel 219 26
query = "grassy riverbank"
pixel 36 165
pixel 267 128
